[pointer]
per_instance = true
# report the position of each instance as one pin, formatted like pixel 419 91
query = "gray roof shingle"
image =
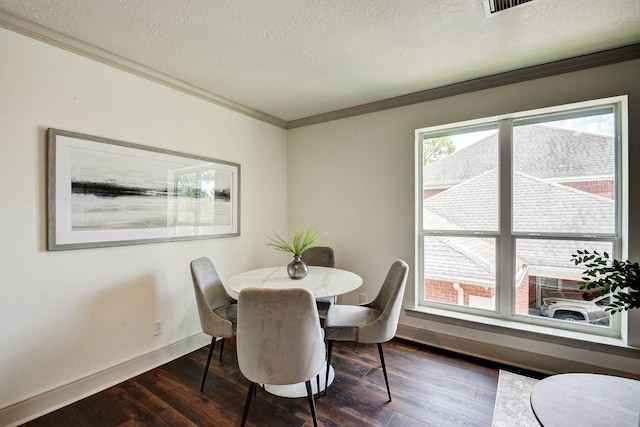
pixel 539 206
pixel 554 154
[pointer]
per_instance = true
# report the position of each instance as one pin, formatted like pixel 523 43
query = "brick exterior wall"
pixel 430 193
pixel 599 188
pixel 525 296
pixel 440 291
pixel 443 291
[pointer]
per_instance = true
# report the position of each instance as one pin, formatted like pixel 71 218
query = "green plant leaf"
pixel 302 240
pixel 621 278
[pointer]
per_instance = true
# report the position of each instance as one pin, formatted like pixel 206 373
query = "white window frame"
pixel 505 238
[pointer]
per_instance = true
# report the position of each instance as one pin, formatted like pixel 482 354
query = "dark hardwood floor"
pixel 429 388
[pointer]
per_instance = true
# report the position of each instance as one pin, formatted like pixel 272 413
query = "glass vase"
pixel 297 269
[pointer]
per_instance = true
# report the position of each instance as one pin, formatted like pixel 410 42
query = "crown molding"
pixel 577 63
pixel 39 32
pixel 54 38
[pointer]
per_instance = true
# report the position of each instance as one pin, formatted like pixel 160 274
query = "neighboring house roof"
pixel 472 260
pixel 460 260
pixel 539 206
pixel 477 195
pixel 457 259
pixel 540 151
pixel 542 206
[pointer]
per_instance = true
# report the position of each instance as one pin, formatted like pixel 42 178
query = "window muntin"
pixel 551 190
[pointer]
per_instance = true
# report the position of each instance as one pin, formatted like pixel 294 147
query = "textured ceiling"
pixel 293 59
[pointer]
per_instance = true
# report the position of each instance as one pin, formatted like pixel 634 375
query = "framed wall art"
pixel 103 192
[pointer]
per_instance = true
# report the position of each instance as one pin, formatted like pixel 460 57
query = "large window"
pixel 505 202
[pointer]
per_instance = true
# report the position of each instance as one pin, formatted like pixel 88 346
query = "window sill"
pixel 575 339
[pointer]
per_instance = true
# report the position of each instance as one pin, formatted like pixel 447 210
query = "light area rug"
pixel 513 408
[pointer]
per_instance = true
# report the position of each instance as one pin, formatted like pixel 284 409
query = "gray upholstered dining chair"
pixel 218 311
pixel 279 340
pixel 372 323
pixel 321 256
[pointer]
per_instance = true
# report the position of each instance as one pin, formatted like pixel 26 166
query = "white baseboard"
pixel 34 407
pixel 528 353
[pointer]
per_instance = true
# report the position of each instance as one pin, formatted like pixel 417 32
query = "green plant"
pixel 302 240
pixel 611 276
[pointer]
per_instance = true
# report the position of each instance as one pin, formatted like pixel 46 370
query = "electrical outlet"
pixel 158 327
pixel 363 298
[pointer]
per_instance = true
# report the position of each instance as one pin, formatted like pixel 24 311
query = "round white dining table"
pixel 321 281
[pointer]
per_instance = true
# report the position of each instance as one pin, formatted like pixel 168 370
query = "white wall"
pixel 355 178
pixel 67 315
pixel 72 319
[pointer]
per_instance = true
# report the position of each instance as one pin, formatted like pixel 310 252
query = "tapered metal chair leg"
pixel 247 403
pixel 384 370
pixel 312 404
pixel 221 347
pixel 206 368
pixel 329 352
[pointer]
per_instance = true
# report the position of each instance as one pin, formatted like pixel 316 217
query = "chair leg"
pixel 312 404
pixel 384 370
pixel 318 385
pixel 206 368
pixel 221 347
pixel 329 352
pixel 247 403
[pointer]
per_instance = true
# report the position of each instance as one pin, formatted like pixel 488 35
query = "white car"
pixel 574 309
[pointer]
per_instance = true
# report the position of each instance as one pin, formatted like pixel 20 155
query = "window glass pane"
pixel 460 175
pixel 460 271
pixel 547 281
pixel 564 174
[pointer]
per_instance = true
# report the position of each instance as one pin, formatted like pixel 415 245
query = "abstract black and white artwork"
pixel 103 192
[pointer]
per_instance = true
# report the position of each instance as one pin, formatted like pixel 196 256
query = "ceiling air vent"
pixel 495 6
